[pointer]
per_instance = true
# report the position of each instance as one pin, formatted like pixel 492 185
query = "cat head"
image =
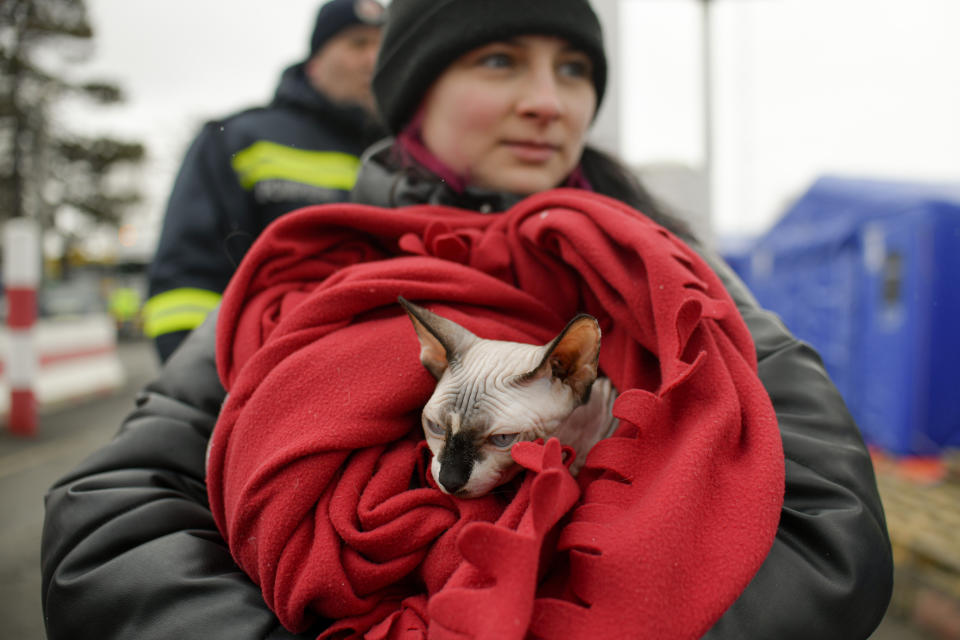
pixel 491 394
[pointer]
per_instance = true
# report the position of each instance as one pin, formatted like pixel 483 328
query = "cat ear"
pixel 573 355
pixel 441 340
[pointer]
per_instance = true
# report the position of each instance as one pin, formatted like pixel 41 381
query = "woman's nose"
pixel 541 96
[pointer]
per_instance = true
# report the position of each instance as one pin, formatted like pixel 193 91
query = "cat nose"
pixel 456 461
pixel 453 478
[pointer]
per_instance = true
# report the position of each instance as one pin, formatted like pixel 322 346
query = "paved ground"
pixel 29 466
pixel 67 435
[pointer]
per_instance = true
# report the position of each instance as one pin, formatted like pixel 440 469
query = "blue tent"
pixel 868 272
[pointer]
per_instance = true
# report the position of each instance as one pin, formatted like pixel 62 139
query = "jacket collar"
pixel 295 91
pixel 382 182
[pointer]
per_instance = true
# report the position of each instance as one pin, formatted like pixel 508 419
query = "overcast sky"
pixel 801 87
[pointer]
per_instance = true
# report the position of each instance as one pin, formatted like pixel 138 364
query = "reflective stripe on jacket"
pixel 178 310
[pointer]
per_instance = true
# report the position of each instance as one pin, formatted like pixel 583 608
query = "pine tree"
pixel 44 167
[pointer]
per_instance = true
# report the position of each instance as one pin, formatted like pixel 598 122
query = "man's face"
pixel 343 68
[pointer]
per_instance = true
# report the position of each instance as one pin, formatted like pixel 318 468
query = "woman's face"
pixel 512 115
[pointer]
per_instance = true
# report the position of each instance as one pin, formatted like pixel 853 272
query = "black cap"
pixel 337 15
pixel 423 37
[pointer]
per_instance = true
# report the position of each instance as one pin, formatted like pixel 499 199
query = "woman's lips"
pixel 531 151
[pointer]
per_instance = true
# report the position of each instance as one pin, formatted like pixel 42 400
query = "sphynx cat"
pixel 491 394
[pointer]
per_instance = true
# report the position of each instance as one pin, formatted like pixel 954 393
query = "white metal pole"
pixel 707 75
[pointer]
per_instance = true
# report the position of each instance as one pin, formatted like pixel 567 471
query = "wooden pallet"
pixel 924 525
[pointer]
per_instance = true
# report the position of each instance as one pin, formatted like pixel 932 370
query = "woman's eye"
pixel 434 428
pixel 503 440
pixel 575 69
pixel 496 61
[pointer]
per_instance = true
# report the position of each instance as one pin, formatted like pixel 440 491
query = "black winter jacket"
pixel 240 174
pixel 130 549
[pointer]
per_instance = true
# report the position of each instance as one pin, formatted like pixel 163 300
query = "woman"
pixel 490 102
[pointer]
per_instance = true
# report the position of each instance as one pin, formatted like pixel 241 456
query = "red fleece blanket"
pixel 318 476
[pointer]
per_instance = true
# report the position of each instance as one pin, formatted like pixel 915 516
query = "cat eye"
pixel 434 428
pixel 503 440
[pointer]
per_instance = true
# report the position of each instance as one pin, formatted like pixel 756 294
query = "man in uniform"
pixel 244 171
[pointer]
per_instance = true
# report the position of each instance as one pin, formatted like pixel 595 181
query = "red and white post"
pixel 21 277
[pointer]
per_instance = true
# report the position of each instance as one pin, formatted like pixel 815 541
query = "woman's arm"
pixel 129 548
pixel 830 571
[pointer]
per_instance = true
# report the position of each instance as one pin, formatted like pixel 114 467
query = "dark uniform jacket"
pixel 240 174
pixel 130 549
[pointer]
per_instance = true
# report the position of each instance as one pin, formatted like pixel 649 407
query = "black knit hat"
pixel 423 37
pixel 337 15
